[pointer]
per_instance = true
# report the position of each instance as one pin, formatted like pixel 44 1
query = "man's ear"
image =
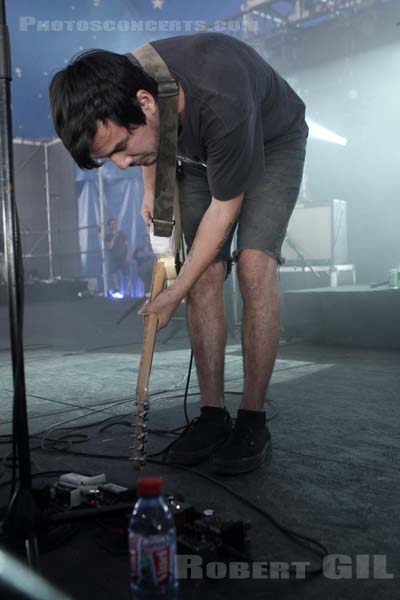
pixel 146 101
pixel 102 125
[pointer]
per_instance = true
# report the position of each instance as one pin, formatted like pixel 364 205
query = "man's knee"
pixel 257 271
pixel 209 285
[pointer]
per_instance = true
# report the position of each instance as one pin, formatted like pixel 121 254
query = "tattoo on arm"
pixel 220 245
pixel 225 236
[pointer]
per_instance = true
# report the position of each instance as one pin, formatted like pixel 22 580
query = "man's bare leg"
pixel 207 330
pixel 260 324
pixel 247 447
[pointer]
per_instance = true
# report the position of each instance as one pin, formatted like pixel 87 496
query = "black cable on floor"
pixel 305 541
pixel 187 386
pixel 126 399
pixel 67 440
pixel 302 540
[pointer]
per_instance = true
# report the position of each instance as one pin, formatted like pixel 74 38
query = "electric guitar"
pixel 166 251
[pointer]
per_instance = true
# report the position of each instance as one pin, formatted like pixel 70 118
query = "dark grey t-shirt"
pixel 235 103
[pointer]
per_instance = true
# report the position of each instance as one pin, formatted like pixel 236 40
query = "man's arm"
pixel 213 231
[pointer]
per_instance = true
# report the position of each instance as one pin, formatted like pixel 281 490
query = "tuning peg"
pixel 143 414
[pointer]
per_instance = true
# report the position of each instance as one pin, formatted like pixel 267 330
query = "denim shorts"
pixel 267 205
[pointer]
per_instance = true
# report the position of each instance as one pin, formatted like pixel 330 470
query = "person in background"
pixel 117 248
pixel 144 258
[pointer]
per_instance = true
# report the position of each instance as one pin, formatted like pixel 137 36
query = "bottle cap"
pixel 149 486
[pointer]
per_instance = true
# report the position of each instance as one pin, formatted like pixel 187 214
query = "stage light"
pixel 317 132
pixel 117 295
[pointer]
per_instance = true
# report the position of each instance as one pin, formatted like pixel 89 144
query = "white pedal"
pixel 82 480
pixel 113 488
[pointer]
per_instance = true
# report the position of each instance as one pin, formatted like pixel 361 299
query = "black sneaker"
pixel 246 448
pixel 201 437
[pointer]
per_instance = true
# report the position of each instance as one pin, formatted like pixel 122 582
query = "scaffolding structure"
pixel 63 215
pixel 267 23
pixel 46 202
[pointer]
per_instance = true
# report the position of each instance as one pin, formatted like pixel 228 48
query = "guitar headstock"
pixel 140 433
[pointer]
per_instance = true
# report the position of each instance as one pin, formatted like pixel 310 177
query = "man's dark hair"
pixel 95 86
pixel 111 220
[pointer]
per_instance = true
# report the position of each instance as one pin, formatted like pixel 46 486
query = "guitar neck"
pixel 140 425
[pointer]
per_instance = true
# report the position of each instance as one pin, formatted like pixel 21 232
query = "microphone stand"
pixel 303 259
pixel 21 519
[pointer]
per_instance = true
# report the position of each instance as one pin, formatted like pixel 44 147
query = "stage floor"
pixel 332 474
pixel 349 315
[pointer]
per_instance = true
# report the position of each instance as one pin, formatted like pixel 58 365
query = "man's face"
pixel 130 147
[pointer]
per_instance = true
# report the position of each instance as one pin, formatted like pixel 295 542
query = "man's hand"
pixel 164 306
pixel 147 207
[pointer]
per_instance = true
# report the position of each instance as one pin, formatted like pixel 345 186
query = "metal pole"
pixel 48 209
pixel 21 519
pixel 102 224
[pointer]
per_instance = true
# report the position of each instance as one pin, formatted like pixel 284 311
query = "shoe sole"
pixel 242 465
pixel 186 459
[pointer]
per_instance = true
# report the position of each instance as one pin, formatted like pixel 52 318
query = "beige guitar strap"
pixel 168 91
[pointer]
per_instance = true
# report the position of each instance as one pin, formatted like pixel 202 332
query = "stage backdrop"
pixel 122 200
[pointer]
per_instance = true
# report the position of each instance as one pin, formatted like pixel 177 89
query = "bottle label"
pixel 150 561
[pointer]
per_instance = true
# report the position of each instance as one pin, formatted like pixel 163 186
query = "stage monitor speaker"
pixel 319 233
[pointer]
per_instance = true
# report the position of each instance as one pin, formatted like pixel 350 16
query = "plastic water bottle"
pixel 152 544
